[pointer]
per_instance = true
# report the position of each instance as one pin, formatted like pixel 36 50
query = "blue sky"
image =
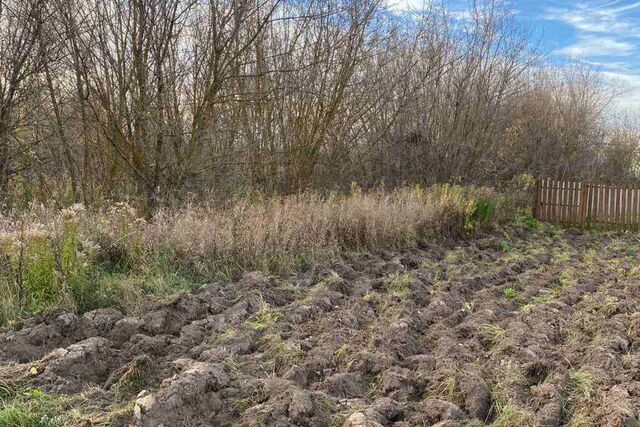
pixel 603 33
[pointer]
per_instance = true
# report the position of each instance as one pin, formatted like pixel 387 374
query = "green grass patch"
pixel 398 284
pixel 509 292
pixel 505 246
pixel 264 317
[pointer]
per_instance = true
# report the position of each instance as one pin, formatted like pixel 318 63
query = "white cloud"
pixel 596 45
pixel 616 66
pixel 629 85
pixel 610 17
pixel 407 5
pixel 605 28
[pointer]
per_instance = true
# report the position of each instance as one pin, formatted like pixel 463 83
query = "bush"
pixel 84 260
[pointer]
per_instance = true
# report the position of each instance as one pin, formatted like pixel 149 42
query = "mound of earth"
pixel 515 328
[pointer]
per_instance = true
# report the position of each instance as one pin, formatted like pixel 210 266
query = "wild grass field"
pixel 420 307
pixel 314 213
pixel 112 257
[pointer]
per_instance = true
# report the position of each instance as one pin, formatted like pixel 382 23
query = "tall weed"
pixel 83 260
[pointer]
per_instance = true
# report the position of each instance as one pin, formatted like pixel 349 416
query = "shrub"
pixel 111 257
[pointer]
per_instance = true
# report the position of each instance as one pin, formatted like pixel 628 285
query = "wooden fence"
pixel 588 205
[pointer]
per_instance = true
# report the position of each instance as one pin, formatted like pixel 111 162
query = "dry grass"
pixel 82 260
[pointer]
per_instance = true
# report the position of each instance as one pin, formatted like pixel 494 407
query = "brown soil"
pixel 511 328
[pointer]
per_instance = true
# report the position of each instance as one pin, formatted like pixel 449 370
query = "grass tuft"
pixel 264 317
pixel 398 284
pixel 494 333
pixel 509 415
pixel 509 293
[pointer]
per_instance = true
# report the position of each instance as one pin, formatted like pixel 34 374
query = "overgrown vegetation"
pixel 83 259
pixel 286 96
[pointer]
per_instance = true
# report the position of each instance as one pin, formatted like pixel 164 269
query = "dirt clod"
pixel 426 336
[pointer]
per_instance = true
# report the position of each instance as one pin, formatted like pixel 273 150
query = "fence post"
pixel 584 191
pixel 536 199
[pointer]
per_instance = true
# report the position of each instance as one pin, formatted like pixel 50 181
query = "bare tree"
pixel 21 26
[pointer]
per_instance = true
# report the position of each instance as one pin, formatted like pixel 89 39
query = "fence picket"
pixel 562 203
pixel 572 201
pixel 588 205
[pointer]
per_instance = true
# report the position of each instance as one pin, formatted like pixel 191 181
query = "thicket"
pixel 157 102
pixel 237 130
pixel 84 260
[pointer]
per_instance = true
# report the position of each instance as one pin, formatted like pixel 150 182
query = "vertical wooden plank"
pixel 632 207
pixel 629 205
pixel 560 200
pixel 598 207
pixel 614 212
pixel 636 207
pixel 563 201
pixel 623 202
pixel 569 201
pixel 620 208
pixel 552 200
pixel 543 197
pixel 630 211
pixel 547 198
pixel 606 204
pixel 558 209
pixel 572 190
pixel 576 203
pixel 614 208
pixel 625 212
pixel 553 205
pixel 592 203
pixel 618 192
pixel 536 199
pixel 623 207
pixel 636 216
pixel 602 203
pixel 577 208
pixel 609 204
pixel 556 201
pixel 548 207
pixel 584 189
pixel 597 214
pixel 542 200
